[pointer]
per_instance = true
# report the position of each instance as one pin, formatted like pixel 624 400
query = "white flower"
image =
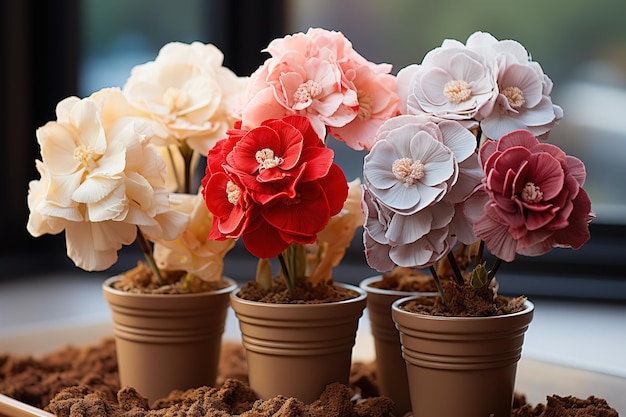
pixel 452 82
pixel 415 162
pixel 417 177
pixel 523 100
pixel 99 180
pixel 188 92
pixel 191 251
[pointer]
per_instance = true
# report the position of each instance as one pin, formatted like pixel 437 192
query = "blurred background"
pixel 54 49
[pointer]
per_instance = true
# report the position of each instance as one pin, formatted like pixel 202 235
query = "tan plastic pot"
pixel 295 350
pixel 390 366
pixel 461 366
pixel 167 341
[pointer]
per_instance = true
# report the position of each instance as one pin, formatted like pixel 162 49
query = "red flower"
pixel 536 200
pixel 273 185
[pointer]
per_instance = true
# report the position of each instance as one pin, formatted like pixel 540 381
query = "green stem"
pixel 146 248
pixel 433 271
pixel 455 268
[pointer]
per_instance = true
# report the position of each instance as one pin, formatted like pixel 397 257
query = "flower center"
pixel 85 156
pixel 408 171
pixel 233 192
pixel 515 96
pixel 266 159
pixel 457 91
pixel 175 99
pixel 307 91
pixel 365 105
pixel 531 193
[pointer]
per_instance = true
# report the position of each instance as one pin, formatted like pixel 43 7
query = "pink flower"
pixel 536 197
pixel 319 75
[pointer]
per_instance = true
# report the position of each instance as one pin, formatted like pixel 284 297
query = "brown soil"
pixel 83 381
pixel 461 301
pixel 406 279
pixel 304 293
pixel 141 280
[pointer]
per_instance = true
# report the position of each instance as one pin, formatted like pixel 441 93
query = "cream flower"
pixel 337 235
pixel 191 251
pixel 100 180
pixel 188 92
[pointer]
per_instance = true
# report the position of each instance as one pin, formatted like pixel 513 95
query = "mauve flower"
pixel 536 197
pixel 192 251
pixel 100 180
pixel 187 92
pixel 417 177
pixel 415 240
pixel 415 162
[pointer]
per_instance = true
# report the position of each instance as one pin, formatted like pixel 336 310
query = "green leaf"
pixel 479 276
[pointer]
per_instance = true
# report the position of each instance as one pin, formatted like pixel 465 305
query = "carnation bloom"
pixel 485 82
pixel 536 200
pixel 452 82
pixel 273 185
pixel 319 75
pixel 100 180
pixel 191 251
pixel 187 92
pixel 417 175
pixel 524 90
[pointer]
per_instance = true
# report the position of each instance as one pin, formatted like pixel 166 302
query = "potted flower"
pixel 105 183
pixel 273 184
pixel 464 169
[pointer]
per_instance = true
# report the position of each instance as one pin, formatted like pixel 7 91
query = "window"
pixel 73 47
pixel 581 48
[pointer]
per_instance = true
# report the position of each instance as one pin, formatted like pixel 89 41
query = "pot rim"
pixel 365 285
pixel 361 297
pixel 395 306
pixel 107 285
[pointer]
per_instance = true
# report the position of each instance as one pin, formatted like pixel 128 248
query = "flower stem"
pixel 187 153
pixel 433 271
pixel 455 268
pixel 146 248
pixel 286 275
pixel 493 270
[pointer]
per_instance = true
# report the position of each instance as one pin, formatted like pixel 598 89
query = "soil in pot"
pixel 304 293
pixel 85 378
pixel 141 280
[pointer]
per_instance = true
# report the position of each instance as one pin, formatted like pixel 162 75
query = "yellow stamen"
pixel 457 91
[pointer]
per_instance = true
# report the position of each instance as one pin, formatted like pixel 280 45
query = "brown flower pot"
pixel 295 350
pixel 390 366
pixel 167 341
pixel 461 366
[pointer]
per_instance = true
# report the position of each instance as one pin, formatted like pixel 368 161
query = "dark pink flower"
pixel 536 200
